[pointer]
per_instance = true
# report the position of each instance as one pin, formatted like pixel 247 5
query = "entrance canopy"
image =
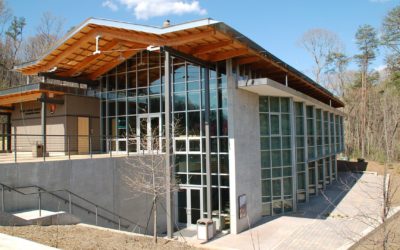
pixel 97 45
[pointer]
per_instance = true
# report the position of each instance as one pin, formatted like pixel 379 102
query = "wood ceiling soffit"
pixel 228 54
pixel 210 47
pixel 85 62
pixel 103 69
pixel 66 52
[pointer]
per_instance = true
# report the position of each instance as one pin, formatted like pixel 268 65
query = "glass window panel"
pixel 275 142
pixel 224 179
pixel 265 159
pixel 222 98
pixel 301 181
pixel 274 104
pixel 276 172
pixel 277 207
pixel 194 145
pixel 179 102
pixel 132 126
pixel 214 164
pixel 193 101
pixel 194 163
pixel 180 163
pixel 299 108
pixel 299 126
pixel 286 157
pixel 276 158
pixel 275 125
pixel 195 179
pixel 193 85
pixel 193 123
pixel 223 122
pixel 193 72
pixel 214 145
pixel 179 124
pixel 264 143
pixel 213 122
pixel 154 104
pixel 223 145
pixel 213 99
pixel 224 164
pixel 276 187
pixel 180 145
pixel 111 108
pixel 131 80
pixel 285 105
pixel 285 120
pixel 264 107
pixel 264 124
pixel 266 209
pixel 287 171
pixel 142 104
pixel 142 91
pixel 266 173
pixel 286 142
pixel 266 188
pixel 287 186
pixel 179 73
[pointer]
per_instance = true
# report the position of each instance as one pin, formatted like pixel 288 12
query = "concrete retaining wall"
pixel 98 180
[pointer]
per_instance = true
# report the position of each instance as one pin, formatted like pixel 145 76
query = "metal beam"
pixel 168 141
pixel 43 122
pixel 207 131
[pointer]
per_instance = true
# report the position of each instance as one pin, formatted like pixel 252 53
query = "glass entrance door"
pixel 149 132
pixel 189 205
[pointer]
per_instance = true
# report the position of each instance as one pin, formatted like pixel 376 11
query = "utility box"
pixel 205 229
pixel 37 150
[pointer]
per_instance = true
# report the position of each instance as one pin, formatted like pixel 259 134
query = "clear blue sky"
pixel 275 25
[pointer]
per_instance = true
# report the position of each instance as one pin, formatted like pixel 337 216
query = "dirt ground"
pixel 374 239
pixel 82 237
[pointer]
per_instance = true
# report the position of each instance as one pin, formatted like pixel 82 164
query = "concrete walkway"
pixel 10 243
pixel 336 219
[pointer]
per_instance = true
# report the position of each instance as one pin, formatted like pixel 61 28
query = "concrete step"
pixel 34 217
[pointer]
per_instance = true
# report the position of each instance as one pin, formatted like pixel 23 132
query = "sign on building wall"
pixel 242 206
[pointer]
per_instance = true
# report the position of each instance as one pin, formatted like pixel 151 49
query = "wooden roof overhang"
pixel 32 92
pixel 207 40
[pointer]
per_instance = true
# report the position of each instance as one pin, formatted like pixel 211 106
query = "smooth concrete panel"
pixel 97 180
pixel 247 156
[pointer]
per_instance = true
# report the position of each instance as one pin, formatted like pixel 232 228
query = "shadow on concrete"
pixel 321 206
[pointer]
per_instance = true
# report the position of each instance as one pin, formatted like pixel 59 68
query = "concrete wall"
pixel 98 180
pixel 244 155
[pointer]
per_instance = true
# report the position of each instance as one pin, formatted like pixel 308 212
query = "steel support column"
pixel 207 131
pixel 167 93
pixel 9 133
pixel 43 122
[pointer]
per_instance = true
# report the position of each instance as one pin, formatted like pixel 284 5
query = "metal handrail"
pixel 69 200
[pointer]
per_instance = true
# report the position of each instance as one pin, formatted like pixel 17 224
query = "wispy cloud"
pixel 145 9
pixel 110 4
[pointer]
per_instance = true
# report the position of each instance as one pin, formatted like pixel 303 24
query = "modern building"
pixel 249 135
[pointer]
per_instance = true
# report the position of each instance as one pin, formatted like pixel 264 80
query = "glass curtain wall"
pixel 276 161
pixel 189 135
pixel 132 98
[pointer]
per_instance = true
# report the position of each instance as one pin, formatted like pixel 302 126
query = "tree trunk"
pixel 155 219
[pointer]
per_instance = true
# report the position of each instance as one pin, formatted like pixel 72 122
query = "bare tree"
pixel 146 172
pixel 367 41
pixel 50 29
pixel 320 44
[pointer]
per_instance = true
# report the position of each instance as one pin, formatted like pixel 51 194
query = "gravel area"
pixel 84 237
